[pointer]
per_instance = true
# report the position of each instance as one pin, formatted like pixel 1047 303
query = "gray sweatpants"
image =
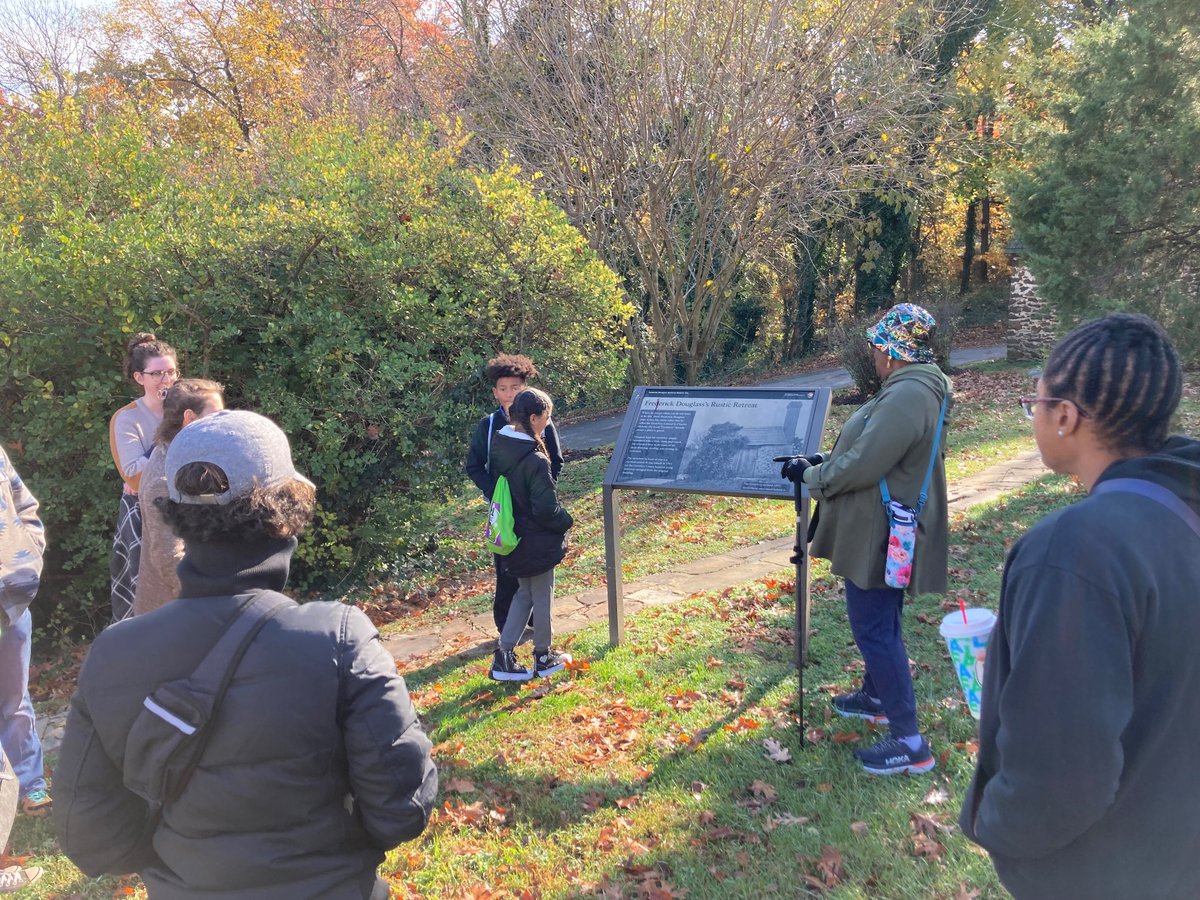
pixel 532 593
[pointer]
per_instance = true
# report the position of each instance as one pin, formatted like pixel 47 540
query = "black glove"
pixel 795 466
pixel 793 470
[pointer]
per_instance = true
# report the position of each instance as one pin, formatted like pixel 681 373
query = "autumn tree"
pixel 683 136
pixel 225 63
pixel 43 46
pixel 372 56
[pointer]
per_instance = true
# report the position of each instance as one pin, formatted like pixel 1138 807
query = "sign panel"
pixel 716 440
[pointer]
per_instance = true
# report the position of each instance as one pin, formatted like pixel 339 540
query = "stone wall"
pixel 1032 324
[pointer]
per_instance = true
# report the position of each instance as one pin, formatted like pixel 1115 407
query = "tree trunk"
pixel 985 238
pixel 968 248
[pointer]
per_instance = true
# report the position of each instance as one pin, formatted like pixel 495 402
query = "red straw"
pixel 963 606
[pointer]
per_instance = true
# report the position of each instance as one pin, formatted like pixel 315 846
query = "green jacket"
pixel 891 435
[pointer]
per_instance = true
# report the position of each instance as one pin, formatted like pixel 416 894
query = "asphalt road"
pixel 603 431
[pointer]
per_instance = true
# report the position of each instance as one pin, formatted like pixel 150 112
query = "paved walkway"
pixel 475 635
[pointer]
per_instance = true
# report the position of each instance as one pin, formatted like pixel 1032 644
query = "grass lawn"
pixel 674 765
pixel 645 771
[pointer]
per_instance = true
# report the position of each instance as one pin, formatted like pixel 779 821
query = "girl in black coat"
pixel 541 523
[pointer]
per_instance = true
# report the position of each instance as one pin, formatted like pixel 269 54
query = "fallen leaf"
pixel 926 847
pixel 929 825
pixel 714 663
pixel 698 788
pixel 963 894
pixel 776 752
pixel 845 737
pixel 707 817
pixel 830 865
pixel 458 786
pixel 447 748
pixel 628 802
pixel 936 797
pixel 742 724
pixel 763 791
pixel 860 828
pixel 825 787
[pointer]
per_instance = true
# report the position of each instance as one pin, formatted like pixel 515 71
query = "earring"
pixel 1060 433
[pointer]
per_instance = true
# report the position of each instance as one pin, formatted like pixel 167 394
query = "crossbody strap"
pixel 937 439
pixel 1155 492
pixel 215 672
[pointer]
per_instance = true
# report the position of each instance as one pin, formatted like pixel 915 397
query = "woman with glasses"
pixel 890 449
pixel 151 365
pixel 1090 713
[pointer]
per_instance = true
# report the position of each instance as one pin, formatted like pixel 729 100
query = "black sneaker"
pixel 891 756
pixel 547 662
pixel 506 668
pixel 859 706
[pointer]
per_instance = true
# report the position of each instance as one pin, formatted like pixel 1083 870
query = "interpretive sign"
pixel 716 440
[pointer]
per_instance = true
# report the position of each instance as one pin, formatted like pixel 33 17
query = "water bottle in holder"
pixel 902 540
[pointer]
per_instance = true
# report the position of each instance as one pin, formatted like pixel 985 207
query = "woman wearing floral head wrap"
pixel 893 439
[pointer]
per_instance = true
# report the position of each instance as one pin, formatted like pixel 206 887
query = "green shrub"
pixel 348 282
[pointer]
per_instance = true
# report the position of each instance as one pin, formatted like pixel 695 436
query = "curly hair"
pixel 144 346
pixel 263 514
pixel 1122 371
pixel 190 393
pixel 508 365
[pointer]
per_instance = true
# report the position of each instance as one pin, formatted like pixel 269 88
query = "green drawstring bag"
pixel 499 534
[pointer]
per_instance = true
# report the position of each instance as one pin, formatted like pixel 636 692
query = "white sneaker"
pixel 14 878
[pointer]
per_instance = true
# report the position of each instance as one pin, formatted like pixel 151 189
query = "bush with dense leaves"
pixel 349 282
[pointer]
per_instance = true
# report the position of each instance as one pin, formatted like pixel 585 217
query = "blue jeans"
pixel 18 732
pixel 875 623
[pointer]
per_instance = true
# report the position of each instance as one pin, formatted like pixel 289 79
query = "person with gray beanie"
pixel 314 763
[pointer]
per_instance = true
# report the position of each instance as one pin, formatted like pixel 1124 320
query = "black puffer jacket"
pixel 540 520
pixel 316 766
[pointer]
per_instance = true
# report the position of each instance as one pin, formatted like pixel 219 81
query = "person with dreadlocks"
pixel 1091 694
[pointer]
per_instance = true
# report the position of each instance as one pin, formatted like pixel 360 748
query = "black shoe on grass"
pixel 859 706
pixel 506 668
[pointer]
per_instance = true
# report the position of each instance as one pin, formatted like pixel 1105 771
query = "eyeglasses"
pixel 162 373
pixel 1028 403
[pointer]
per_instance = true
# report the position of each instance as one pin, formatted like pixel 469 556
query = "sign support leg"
pixel 613 568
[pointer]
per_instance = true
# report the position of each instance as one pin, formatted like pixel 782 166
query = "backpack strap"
pixel 937 439
pixel 488 465
pixel 1151 491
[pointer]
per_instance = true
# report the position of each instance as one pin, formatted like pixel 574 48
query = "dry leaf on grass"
pixel 763 791
pixel 776 752
pixel 860 828
pixel 458 786
pixel 926 847
pixel 936 797
pixel 963 894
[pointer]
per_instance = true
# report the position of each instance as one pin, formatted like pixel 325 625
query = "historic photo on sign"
pixel 717 440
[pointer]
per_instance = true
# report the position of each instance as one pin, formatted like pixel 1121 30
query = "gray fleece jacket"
pixel 1085 784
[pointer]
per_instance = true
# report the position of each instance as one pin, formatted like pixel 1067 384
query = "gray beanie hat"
pixel 251 450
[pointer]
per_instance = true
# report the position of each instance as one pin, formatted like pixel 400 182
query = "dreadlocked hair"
pixel 527 404
pixel 1123 371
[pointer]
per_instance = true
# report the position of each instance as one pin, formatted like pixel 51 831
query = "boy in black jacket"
pixel 509 375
